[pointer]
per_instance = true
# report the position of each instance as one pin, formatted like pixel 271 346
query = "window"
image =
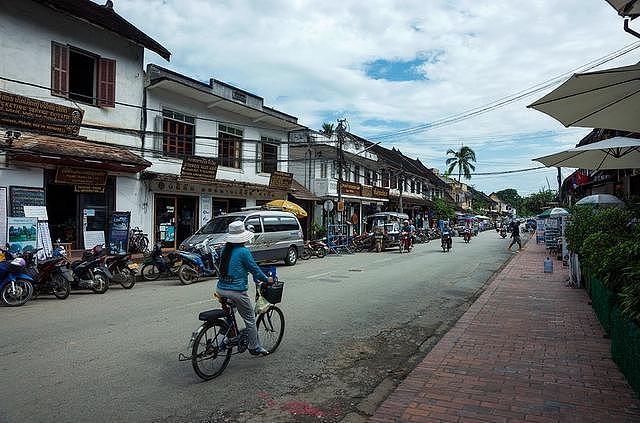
pixel 413 186
pixel 82 76
pixel 418 187
pixel 375 178
pixel 385 179
pixel 356 174
pixel 230 146
pixel 323 170
pixel 280 224
pixel 255 222
pixel 394 182
pixel 268 155
pixel 367 177
pixel 178 134
pixel 334 172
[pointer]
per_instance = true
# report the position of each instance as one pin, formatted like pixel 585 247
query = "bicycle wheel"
pixel 143 244
pixel 209 356
pixel 150 272
pixel 271 328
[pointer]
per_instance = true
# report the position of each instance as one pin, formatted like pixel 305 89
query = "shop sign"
pixel 81 177
pixel 200 169
pixel 280 180
pixel 25 112
pixel 367 191
pixel 24 196
pixel 119 232
pixel 259 193
pixel 379 192
pixel 350 188
pixel 88 189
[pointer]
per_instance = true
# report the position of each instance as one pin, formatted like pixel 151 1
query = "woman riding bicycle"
pixel 236 262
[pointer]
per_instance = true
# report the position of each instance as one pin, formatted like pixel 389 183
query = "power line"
pixel 509 98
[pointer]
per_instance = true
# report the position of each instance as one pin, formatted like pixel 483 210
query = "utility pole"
pixel 400 188
pixel 340 134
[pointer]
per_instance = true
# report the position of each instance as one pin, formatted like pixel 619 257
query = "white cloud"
pixel 307 58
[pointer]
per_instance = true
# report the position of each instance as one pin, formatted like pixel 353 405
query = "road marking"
pixel 320 274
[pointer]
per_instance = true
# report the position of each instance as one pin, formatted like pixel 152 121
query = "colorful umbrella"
pixel 287 206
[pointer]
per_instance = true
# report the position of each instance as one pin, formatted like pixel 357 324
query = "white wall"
pixel 26 32
pixel 21 176
pixel 132 195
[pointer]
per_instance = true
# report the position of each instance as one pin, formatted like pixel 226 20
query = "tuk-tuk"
pixel 387 224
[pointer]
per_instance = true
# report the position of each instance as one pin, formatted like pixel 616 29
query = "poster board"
pixel 119 232
pixel 44 238
pixel 22 233
pixel 3 216
pixel 39 212
pixel 93 238
pixel 206 205
pixel 24 196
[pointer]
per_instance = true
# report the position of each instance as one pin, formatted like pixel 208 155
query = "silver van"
pixel 278 234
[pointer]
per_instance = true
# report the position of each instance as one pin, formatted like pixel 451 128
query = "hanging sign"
pixel 3 216
pixel 119 232
pixel 24 196
pixel 199 169
pixel 367 191
pixel 350 188
pixel 280 180
pixel 379 192
pixel 25 112
pixel 81 176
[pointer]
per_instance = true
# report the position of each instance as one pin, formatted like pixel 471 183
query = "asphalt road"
pixel 352 322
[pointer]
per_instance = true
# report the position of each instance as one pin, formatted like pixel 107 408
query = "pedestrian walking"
pixel 515 235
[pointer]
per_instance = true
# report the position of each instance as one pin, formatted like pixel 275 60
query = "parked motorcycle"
pixel 405 242
pixel 503 232
pixel 156 264
pixel 91 272
pixel 361 242
pixel 50 276
pixel 314 248
pixel 123 270
pixel 16 286
pixel 201 262
pixel 447 241
pixel 378 239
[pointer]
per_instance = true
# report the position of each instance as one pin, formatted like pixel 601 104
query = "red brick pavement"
pixel 528 350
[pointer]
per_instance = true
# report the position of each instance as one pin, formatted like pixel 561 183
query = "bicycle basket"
pixel 273 292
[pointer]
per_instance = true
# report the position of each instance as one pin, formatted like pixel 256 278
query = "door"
pixel 165 220
pixel 186 218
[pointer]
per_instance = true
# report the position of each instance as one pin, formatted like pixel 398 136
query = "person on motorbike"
pixel 407 228
pixel 235 263
pixel 515 234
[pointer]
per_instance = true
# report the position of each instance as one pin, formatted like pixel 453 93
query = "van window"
pixel 255 221
pixel 219 225
pixel 289 224
pixel 280 224
pixel 271 223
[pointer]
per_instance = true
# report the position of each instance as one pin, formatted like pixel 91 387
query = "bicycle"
pixel 138 241
pixel 213 342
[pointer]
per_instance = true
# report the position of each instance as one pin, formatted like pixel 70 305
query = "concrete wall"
pixel 26 32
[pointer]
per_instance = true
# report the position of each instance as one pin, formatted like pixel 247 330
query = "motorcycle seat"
pixel 205 316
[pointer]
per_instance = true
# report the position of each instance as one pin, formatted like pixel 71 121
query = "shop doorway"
pixel 175 219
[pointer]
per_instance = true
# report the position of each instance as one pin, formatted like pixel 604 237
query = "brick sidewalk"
pixel 528 350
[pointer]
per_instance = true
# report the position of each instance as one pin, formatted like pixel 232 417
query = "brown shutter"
pixel 106 83
pixel 59 69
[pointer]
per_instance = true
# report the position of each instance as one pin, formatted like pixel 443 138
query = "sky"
pixel 386 66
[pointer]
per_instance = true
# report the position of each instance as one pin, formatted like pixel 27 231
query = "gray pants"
pixel 243 304
pixel 516 239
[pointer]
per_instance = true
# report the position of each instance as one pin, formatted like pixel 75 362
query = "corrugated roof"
pixel 105 17
pixel 301 192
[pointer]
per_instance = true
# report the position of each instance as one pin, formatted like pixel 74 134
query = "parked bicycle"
pixel 213 343
pixel 138 241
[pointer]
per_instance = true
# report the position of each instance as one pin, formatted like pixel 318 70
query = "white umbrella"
pixel 608 98
pixel 558 212
pixel 601 200
pixel 614 153
pixel 629 8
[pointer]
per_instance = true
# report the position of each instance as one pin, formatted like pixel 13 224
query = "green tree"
pixel 461 159
pixel 511 197
pixel 443 210
pixel 537 202
pixel 327 129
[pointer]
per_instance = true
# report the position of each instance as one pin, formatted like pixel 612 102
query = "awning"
pixel 77 152
pixel 300 192
pixel 358 197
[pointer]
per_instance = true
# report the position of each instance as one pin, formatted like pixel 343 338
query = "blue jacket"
pixel 241 262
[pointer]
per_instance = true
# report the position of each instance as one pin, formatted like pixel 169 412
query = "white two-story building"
pixel 71 98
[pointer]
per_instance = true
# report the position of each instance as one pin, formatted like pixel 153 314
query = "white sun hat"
pixel 237 234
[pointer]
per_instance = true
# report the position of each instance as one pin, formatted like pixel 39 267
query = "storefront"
pixel 359 202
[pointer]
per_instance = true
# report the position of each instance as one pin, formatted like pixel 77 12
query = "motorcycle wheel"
pixel 128 278
pixel 61 288
pixel 378 247
pixel 150 272
pixel 18 296
pixel 187 274
pixel 401 247
pixel 320 252
pixel 100 283
pixel 306 254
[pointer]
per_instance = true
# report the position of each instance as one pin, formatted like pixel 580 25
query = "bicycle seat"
pixel 205 316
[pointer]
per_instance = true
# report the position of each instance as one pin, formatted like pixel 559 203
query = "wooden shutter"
pixel 59 69
pixel 106 82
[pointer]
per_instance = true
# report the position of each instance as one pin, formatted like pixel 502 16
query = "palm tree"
pixel 327 129
pixel 462 160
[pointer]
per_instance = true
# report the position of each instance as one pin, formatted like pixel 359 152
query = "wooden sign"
pixel 367 191
pixel 25 112
pixel 199 169
pixel 350 188
pixel 280 181
pixel 379 192
pixel 88 188
pixel 81 176
pixel 24 196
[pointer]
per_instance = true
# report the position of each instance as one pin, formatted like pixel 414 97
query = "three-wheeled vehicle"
pixel 387 225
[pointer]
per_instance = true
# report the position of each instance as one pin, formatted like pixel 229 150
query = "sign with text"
pixel 379 192
pixel 350 188
pixel 119 232
pixel 81 177
pixel 25 112
pixel 200 169
pixel 24 196
pixel 280 180
pixel 3 216
pixel 367 191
